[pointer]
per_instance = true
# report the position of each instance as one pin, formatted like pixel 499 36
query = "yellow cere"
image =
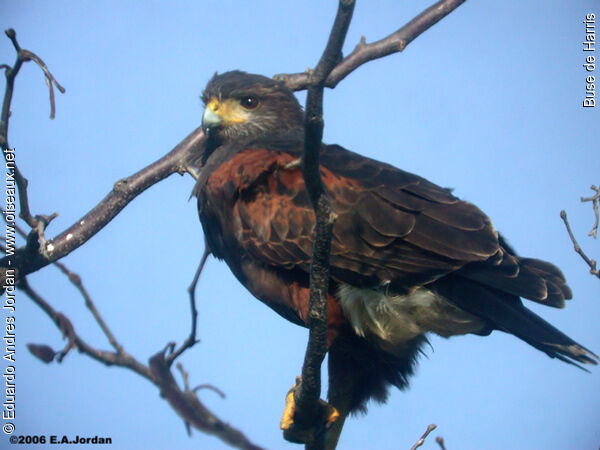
pixel 229 110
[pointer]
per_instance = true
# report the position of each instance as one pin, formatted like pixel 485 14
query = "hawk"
pixel 407 257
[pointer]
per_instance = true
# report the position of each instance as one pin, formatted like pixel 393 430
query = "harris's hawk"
pixel 407 257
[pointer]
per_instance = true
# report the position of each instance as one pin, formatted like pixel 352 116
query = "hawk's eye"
pixel 249 102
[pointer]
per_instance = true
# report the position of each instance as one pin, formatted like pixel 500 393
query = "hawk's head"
pixel 244 106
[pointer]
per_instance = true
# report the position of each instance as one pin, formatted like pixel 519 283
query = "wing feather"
pixel 393 228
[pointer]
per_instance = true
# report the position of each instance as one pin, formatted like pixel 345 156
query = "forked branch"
pixel 363 53
pixel 590 262
pixel 308 392
pixel 595 199
pixel 333 68
pixel 185 402
pixel 11 74
pixel 191 339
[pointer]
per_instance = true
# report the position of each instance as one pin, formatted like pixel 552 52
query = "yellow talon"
pixel 332 413
pixel 287 418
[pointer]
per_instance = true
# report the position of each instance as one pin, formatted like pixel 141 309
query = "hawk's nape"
pixel 407 257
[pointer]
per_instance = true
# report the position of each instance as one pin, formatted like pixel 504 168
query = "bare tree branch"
pixel 308 392
pixel 210 387
pixel 190 409
pixel 363 53
pixel 176 161
pixel 199 416
pixel 186 403
pixel 577 247
pixel 108 358
pixel 191 340
pixel 26 55
pixel 76 281
pixel 595 199
pixel 11 74
pixel 421 440
pixel 50 80
pixel 331 69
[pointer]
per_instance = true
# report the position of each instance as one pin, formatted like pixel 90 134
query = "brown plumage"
pixel 407 256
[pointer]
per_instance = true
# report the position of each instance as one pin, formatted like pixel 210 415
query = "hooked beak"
pixel 210 119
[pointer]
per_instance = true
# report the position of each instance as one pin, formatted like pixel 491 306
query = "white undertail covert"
pixel 392 320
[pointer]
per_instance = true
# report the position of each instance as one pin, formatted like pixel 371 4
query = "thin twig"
pixel 11 74
pixel 191 340
pixel 186 385
pixel 108 358
pixel 210 387
pixel 184 375
pixel 595 199
pixel 50 80
pixel 190 408
pixel 577 247
pixel 363 53
pixel 185 403
pixel 421 441
pixel 75 279
pixel 440 441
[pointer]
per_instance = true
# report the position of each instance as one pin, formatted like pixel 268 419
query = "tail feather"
pixel 529 278
pixel 534 330
pixel 555 280
pixel 506 312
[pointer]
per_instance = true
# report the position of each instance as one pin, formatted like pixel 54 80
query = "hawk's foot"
pixel 299 434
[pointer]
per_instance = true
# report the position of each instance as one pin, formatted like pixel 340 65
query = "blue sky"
pixel 487 102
